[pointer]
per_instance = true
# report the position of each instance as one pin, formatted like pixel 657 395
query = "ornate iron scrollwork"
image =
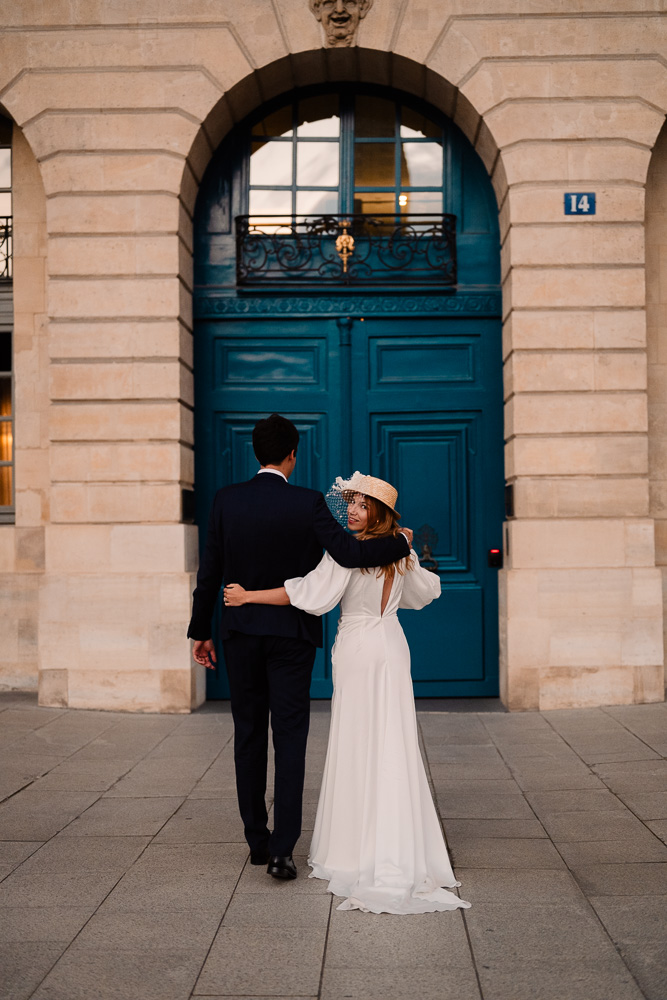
pixel 426 539
pixel 5 246
pixel 410 250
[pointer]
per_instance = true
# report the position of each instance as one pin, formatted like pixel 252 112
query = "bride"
pixel 377 838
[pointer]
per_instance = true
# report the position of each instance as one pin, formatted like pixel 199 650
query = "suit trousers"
pixel 270 675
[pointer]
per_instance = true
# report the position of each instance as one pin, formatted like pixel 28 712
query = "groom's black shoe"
pixel 259 857
pixel 281 867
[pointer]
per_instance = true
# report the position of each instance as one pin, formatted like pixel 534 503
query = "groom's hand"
pixel 204 653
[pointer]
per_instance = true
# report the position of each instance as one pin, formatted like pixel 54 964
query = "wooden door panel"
pixel 431 424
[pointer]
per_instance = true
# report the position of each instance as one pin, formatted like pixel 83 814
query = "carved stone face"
pixel 340 18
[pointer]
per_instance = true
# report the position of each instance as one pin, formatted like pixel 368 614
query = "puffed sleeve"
pixel 420 586
pixel 321 589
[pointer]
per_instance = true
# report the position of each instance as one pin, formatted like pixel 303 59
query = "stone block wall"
pixel 122 106
pixel 22 545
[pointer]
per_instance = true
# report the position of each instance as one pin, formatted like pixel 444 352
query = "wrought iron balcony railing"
pixel 399 250
pixel 5 246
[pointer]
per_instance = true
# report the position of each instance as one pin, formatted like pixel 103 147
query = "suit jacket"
pixel 263 532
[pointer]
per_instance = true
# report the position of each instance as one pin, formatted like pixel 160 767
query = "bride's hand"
pixel 234 595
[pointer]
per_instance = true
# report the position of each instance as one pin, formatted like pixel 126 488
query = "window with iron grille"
pixel 6 327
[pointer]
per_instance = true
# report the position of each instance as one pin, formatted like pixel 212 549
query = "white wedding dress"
pixel 377 837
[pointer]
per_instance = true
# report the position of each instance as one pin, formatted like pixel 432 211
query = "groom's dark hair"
pixel 273 439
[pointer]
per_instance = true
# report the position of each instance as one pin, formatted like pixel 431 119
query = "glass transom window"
pixel 345 153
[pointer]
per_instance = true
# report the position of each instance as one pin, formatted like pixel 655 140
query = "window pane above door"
pixel 276 124
pixel 317 117
pixel 5 168
pixel 415 125
pixel 375 117
pixel 271 163
pixel 268 203
pixel 316 202
pixel 374 164
pixel 317 164
pixel 374 202
pixel 421 164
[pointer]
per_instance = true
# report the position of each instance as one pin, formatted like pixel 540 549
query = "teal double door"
pixel 413 399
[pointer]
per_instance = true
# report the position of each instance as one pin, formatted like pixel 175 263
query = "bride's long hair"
pixel 383 521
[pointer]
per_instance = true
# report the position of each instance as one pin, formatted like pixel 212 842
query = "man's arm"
pixel 209 580
pixel 347 550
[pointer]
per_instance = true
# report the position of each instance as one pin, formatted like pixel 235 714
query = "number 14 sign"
pixel 580 204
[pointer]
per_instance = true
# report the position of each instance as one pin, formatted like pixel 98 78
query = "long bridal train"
pixel 377 837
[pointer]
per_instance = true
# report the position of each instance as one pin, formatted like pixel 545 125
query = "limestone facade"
pixel 117 110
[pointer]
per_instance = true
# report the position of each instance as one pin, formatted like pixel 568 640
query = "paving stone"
pixel 463 829
pixel 255 880
pixel 290 961
pixel 151 976
pixel 201 745
pixel 646 805
pixel 480 885
pixel 473 804
pixel 77 889
pixel 75 774
pixel 112 817
pixel 623 879
pixel 640 848
pixel 615 825
pixel 204 821
pixel 494 852
pixel 180 878
pixel 659 828
pixel 471 771
pixel 542 778
pixel 457 753
pixel 549 749
pixel 13 852
pixel 380 956
pixel 575 800
pixel 151 778
pixel 539 948
pixel 271 909
pixel 404 982
pixel 38 815
pixel 18 771
pixel 149 931
pixel 195 858
pixel 67 734
pixel 634 776
pixel 43 923
pixel 24 965
pixel 637 926
pixel 72 854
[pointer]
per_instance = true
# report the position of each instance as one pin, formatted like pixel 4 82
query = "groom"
pixel 261 533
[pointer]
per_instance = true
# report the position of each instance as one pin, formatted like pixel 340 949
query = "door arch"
pixel 403 380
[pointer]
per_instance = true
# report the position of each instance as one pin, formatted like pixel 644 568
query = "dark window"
pixel 6 323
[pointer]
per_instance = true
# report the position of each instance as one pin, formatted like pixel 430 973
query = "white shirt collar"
pixel 276 472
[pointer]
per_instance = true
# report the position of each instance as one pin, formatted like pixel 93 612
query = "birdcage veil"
pixel 341 492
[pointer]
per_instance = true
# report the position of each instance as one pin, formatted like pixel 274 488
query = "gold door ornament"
pixel 345 244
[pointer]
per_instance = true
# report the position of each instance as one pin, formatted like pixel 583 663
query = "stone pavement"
pixel 124 873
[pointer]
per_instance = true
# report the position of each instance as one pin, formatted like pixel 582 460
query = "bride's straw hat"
pixel 371 487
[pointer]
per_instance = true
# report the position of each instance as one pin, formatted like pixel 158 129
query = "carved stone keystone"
pixel 340 19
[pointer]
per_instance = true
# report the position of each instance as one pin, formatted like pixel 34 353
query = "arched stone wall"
pixel 122 111
pixel 22 544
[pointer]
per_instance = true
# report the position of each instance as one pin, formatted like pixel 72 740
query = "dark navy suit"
pixel 261 533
